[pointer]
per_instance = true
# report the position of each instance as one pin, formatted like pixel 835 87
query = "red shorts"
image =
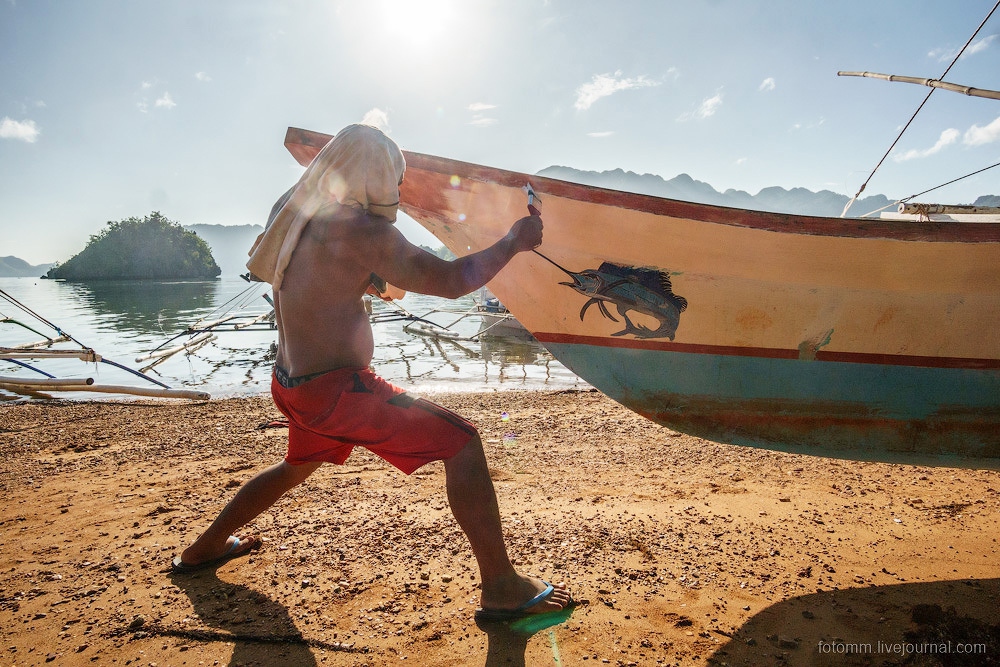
pixel 331 413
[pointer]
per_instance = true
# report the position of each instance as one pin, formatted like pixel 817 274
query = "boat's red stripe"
pixel 770 353
pixel 980 232
pixel 305 144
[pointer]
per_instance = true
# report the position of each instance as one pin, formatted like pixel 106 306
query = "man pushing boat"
pixel 327 238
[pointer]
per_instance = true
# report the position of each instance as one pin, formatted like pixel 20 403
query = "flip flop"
pixel 504 615
pixel 181 567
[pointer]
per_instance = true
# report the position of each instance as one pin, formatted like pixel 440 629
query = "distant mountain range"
pixel 15 267
pixel 230 243
pixel 775 199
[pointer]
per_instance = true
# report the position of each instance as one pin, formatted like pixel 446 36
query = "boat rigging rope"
pixel 954 180
pixel 242 300
pixel 7 297
pixel 901 132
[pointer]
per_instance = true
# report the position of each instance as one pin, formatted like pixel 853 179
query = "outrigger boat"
pixel 60 345
pixel 493 317
pixel 237 314
pixel 854 338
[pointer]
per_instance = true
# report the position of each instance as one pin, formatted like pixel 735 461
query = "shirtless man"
pixel 327 237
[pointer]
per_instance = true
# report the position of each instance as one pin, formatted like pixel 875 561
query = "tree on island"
pixel 149 248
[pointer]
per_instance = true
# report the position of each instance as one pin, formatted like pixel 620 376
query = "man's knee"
pixel 475 442
pixel 297 473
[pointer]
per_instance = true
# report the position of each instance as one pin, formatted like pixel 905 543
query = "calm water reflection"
pixel 123 320
pixel 144 306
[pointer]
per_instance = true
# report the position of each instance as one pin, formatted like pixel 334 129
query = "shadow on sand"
pixel 922 624
pixel 508 642
pixel 260 629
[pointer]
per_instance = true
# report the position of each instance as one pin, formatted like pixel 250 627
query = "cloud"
pixel 767 85
pixel 707 108
pixel 202 76
pixel 165 101
pixel 812 125
pixel 603 85
pixel 147 90
pixel 978 136
pixel 377 118
pixel 947 138
pixel 946 55
pixel 478 118
pixel 980 46
pixel 600 135
pixel 24 130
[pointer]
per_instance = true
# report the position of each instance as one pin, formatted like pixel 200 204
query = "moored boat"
pixel 863 339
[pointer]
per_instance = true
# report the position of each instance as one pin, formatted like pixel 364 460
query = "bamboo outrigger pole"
pixel 37 386
pixel 932 83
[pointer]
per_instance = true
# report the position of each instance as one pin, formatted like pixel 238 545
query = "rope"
pixel 954 180
pixel 901 132
pixel 38 317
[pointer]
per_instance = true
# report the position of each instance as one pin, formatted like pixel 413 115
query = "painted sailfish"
pixel 643 290
pixel 646 291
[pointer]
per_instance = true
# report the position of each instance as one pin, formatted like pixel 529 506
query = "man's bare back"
pixel 321 318
pixel 322 323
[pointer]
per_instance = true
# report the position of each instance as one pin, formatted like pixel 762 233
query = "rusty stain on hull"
pixel 953 436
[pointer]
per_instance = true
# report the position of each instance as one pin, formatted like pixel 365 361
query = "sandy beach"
pixel 680 551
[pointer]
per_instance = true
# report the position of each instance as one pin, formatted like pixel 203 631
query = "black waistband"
pixel 281 375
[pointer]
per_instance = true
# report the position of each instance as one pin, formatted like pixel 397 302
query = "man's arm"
pixel 406 266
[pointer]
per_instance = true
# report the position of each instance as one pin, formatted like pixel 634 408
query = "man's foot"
pixel 235 547
pixel 521 597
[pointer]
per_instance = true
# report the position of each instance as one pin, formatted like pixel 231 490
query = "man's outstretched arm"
pixel 405 265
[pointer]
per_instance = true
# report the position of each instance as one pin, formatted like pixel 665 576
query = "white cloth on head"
pixel 360 167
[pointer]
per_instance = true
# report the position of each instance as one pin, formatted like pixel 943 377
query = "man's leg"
pixel 474 504
pixel 258 494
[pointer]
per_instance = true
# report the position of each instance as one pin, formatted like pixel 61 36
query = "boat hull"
pixel 865 411
pixel 857 339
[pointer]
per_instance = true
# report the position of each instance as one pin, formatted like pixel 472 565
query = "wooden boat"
pixel 862 339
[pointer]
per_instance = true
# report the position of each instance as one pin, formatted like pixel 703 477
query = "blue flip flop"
pixel 504 615
pixel 181 567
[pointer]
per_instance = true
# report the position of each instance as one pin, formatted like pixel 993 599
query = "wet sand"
pixel 679 550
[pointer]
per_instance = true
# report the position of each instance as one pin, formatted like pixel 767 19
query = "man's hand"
pixel 526 233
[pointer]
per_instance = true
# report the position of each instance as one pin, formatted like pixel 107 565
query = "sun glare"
pixel 417 23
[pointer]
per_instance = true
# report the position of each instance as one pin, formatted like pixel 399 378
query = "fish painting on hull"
pixel 646 291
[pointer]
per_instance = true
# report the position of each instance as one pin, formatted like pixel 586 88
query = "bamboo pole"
pixel 109 389
pixel 932 83
pixel 263 317
pixel 18 353
pixel 47 382
pixel 947 208
pixel 203 338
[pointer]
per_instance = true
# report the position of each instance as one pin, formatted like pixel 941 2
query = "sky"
pixel 111 109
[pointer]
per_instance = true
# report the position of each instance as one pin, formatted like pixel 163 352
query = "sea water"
pixel 125 320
